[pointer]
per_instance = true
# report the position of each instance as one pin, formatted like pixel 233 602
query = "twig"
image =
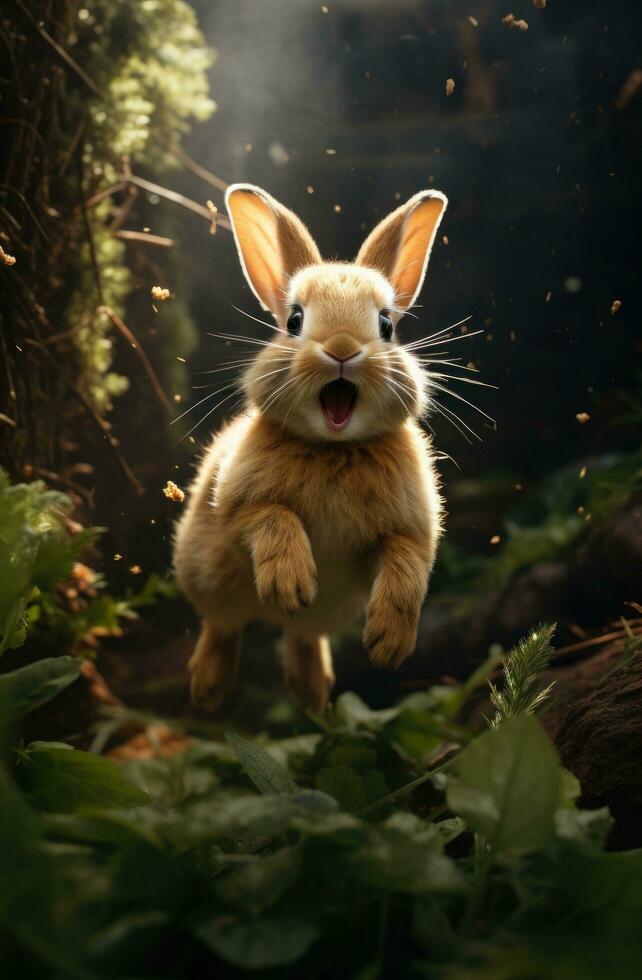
pixel 595 641
pixel 60 51
pixel 142 356
pixel 103 195
pixel 197 169
pixel 177 198
pixel 113 442
pixel 145 237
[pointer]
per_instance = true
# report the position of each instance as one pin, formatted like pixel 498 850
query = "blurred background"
pixel 341 110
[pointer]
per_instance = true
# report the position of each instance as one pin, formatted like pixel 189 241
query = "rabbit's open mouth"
pixel 337 401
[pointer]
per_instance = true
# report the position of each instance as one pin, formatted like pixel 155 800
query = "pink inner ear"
pixel 417 236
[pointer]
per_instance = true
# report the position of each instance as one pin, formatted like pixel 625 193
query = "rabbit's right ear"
pixel 272 243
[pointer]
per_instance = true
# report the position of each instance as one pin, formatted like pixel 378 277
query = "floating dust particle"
pixel 444 240
pixel 615 306
pixel 181 359
pixel 397 195
pixel 5 258
pixel 511 22
pixel 160 293
pixel 324 9
pixel 539 4
pixel 629 89
pixel 337 209
pixel 173 492
pixel 178 398
pixel 248 147
pixel 583 417
pixel 310 189
pixel 146 229
pixel 513 336
pixel 519 486
pixel 582 472
pixel 331 152
pixel 450 86
pixel 580 509
pixel 117 557
pixel 473 20
pixel 213 210
pixel 496 538
pixel 472 366
pixel 547 298
pixel 135 569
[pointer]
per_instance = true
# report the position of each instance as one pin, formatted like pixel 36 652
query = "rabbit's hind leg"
pixel 308 671
pixel 213 666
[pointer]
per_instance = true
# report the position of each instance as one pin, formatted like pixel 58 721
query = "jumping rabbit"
pixel 320 500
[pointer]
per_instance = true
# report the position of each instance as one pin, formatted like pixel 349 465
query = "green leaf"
pixel 507 785
pixel 28 688
pixel 266 773
pixel 64 780
pixel 405 854
pixel 257 882
pixel 587 828
pixel 345 785
pixel 253 944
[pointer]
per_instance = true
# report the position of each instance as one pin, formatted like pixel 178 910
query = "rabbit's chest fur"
pixel 347 496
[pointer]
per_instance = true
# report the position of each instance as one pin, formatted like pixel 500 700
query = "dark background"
pixel 540 166
pixel 539 153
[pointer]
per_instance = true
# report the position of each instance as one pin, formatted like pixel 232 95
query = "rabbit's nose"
pixel 336 357
pixel 341 348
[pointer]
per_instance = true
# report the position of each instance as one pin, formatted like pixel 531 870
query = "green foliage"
pixel 38 555
pixel 522 667
pixel 36 552
pixel 505 877
pixel 149 62
pixel 545 524
pixel 26 689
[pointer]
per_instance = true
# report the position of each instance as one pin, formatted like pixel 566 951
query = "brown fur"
pixel 294 523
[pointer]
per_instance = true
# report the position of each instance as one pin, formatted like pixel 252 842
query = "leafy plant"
pixel 522 693
pixel 43 584
pixel 259 856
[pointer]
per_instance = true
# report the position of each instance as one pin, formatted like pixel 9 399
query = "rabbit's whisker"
pixel 449 415
pixel 249 340
pixel 265 323
pixel 451 340
pixel 212 394
pixel 467 381
pixel 241 363
pixel 453 394
pixel 279 391
pixel 438 333
pixel 260 378
pixel 207 414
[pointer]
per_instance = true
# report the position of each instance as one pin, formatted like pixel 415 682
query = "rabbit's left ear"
pixel 400 245
pixel 272 243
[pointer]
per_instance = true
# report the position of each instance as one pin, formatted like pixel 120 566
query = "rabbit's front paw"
pixel 288 577
pixel 390 634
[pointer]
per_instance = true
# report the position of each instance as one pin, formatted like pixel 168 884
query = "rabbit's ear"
pixel 400 244
pixel 272 243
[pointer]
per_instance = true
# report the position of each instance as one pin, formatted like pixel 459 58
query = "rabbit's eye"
pixel 385 326
pixel 295 321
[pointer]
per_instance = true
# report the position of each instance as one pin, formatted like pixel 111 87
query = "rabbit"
pixel 320 499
